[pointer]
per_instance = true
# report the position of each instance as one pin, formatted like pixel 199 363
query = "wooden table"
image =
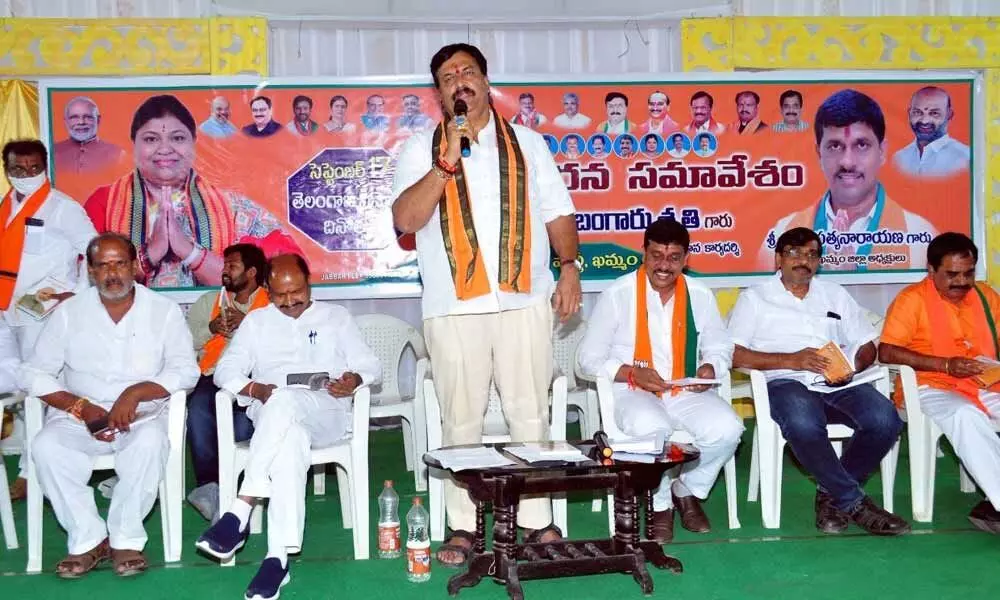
pixel 511 562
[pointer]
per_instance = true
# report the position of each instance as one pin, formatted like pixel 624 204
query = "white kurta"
pixel 50 250
pixel 82 351
pixel 269 346
pixel 609 343
pixel 10 359
pixel 768 318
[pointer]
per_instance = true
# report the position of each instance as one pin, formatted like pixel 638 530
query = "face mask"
pixel 27 186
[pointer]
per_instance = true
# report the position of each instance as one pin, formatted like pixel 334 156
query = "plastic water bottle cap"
pixel 388 483
pixel 466 152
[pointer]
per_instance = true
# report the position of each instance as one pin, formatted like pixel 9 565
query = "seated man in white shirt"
pixel 651 327
pixel 10 359
pixel 778 327
pixel 108 354
pixel 293 335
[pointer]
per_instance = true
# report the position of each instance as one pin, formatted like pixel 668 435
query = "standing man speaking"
pixel 484 224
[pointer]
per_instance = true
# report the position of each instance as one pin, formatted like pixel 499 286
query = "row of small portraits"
pixel 599 145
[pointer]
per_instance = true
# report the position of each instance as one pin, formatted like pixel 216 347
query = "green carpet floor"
pixel 944 560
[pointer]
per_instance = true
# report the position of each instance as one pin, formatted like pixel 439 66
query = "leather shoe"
pixel 985 518
pixel 829 518
pixel 693 518
pixel 876 520
pixel 663 526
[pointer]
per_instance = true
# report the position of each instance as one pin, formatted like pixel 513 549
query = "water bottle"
pixel 418 543
pixel 388 522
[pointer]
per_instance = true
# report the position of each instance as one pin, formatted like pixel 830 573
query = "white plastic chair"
pixel 494 432
pixel 388 337
pixel 924 435
pixel 768 443
pixel 350 455
pixel 171 487
pixel 606 400
pixel 581 394
pixel 6 509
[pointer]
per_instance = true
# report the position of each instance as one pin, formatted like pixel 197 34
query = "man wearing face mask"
pixel 83 151
pixel 940 327
pixel 43 234
pixel 651 327
pixel 111 352
pixel 932 153
pixel 489 294
pixel 291 335
pixel 778 327
pixel 850 145
pixel 213 319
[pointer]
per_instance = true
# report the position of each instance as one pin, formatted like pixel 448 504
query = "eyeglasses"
pixel 18 171
pixel 799 253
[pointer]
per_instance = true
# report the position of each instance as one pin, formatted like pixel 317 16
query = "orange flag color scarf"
pixel 683 334
pixel 460 242
pixel 217 343
pixel 946 341
pixel 12 238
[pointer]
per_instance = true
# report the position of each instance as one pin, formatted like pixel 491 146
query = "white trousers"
pixel 971 434
pixel 293 421
pixel 63 452
pixel 711 421
pixel 26 335
pixel 512 348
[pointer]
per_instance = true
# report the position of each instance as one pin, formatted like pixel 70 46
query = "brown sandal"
pixel 128 562
pixel 76 566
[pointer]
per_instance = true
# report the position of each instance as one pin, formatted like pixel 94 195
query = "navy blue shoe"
pixel 223 539
pixel 267 583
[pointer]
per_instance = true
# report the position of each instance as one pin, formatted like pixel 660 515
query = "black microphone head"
pixel 461 107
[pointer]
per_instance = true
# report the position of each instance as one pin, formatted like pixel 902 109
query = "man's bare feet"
pixel 19 489
pixel 454 553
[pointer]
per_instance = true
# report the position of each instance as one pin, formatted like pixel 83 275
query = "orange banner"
pixel 308 168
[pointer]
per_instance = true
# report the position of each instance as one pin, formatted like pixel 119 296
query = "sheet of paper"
pixel 461 459
pixel 649 444
pixel 533 453
pixel 632 457
pixel 686 381
pixel 869 375
pixel 31 306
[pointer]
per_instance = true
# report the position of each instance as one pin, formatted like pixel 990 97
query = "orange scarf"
pixel 460 242
pixel 890 217
pixel 12 238
pixel 947 341
pixel 683 336
pixel 217 343
pixel 750 128
pixel 212 217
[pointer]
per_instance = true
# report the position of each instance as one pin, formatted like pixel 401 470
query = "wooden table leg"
pixel 505 502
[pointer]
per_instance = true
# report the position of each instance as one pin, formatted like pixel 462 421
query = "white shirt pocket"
pixel 34 239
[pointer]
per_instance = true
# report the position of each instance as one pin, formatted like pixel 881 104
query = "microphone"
pixel 603 446
pixel 461 109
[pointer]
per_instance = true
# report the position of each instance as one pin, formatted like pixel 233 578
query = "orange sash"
pixel 683 336
pixel 12 238
pixel 217 343
pixel 749 129
pixel 892 218
pixel 460 242
pixel 947 341
pixel 213 223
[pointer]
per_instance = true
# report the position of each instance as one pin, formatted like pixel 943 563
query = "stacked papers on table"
pixel 461 459
pixel 532 453
pixel 647 444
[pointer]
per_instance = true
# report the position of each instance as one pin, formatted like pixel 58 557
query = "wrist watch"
pixel 576 262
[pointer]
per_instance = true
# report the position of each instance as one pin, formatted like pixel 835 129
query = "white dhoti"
pixel 711 421
pixel 26 332
pixel 514 349
pixel 286 427
pixel 970 432
pixel 63 452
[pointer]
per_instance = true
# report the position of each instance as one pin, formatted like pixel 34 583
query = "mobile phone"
pixel 98 425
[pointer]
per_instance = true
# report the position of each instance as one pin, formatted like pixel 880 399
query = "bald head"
pixel 220 109
pixel 288 284
pixel 930 112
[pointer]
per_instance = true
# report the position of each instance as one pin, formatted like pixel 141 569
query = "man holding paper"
pixel 107 361
pixel 814 342
pixel 650 333
pixel 945 328
pixel 294 365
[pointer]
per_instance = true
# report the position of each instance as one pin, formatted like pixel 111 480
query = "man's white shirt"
pixel 769 318
pixel 51 250
pixel 269 345
pixel 548 200
pixel 942 157
pixel 577 121
pixel 609 341
pixel 82 351
pixel 10 359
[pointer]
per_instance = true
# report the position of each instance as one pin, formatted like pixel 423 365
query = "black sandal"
pixel 457 549
pixel 535 537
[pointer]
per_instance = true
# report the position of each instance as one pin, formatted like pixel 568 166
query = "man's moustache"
pixel 462 90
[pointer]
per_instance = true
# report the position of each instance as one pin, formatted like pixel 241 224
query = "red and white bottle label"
pixel 418 560
pixel 388 537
